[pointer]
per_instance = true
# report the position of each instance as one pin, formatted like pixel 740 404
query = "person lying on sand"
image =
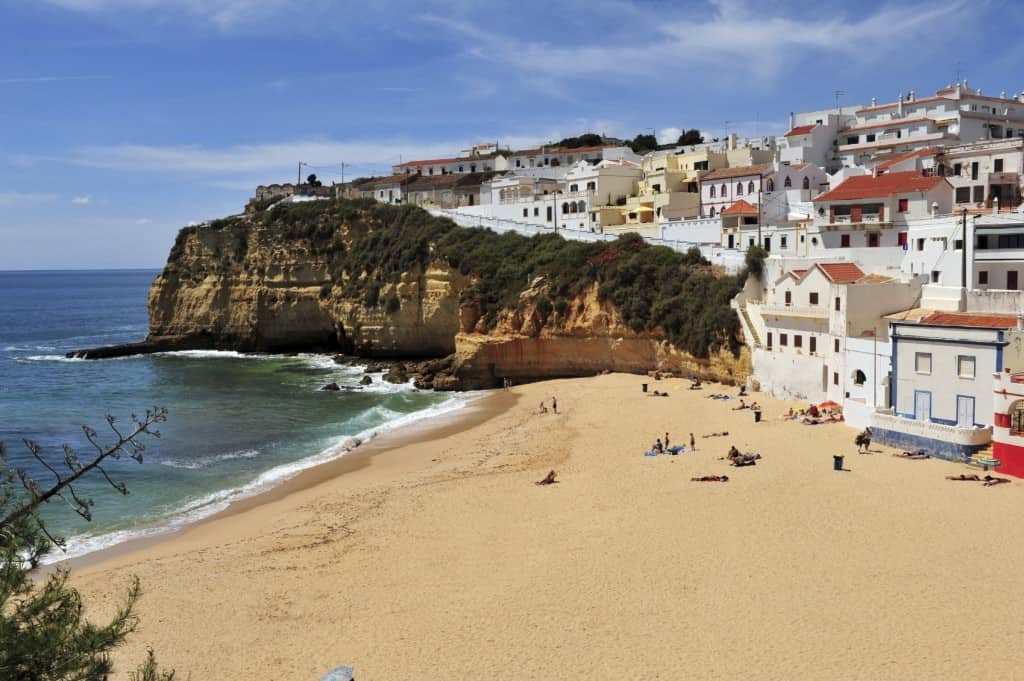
pixel 808 421
pixel 919 454
pixel 711 478
pixel 963 476
pixel 993 480
pixel 722 434
pixel 789 415
pixel 657 393
pixel 549 479
pixel 740 406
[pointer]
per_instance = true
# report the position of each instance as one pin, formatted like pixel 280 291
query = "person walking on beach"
pixel 693 443
pixel 666 440
pixel 554 404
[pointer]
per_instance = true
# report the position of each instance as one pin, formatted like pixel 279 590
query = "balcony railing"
pixel 784 310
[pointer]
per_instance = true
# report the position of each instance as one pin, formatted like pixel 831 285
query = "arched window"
pixel 859 378
pixel 771 185
pixel 712 211
pixel 807 183
pixel 739 189
pixel 592 186
pixel 1017 418
pixel 565 208
pixel 574 187
pixel 725 191
pixel 712 191
pixel 572 207
pixel 750 187
pixel 788 183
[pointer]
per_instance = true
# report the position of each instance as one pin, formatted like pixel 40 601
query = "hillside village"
pixel 894 235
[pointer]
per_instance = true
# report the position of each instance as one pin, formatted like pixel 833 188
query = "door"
pixel 1011 280
pixel 732 241
pixel 964 411
pixel 922 405
pixel 768 243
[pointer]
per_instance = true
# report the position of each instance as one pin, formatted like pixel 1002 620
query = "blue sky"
pixel 123 120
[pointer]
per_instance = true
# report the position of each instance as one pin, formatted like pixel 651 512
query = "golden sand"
pixel 442 559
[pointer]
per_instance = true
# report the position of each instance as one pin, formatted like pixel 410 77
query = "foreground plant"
pixel 44 634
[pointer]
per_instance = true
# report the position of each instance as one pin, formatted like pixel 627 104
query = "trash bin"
pixel 837 462
pixel 757 417
pixel 645 387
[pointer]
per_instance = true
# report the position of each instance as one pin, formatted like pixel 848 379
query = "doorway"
pixel 964 411
pixel 922 405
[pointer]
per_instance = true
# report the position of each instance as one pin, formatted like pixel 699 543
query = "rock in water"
pixel 332 387
pixel 396 374
pixel 366 380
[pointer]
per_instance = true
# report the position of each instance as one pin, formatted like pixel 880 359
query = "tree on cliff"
pixel 313 182
pixel 691 137
pixel 44 634
pixel 642 144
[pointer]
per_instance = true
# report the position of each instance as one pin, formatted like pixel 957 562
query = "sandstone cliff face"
pixel 251 290
pixel 255 286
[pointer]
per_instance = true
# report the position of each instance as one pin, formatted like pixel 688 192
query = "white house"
pixel 942 364
pixel 721 188
pixel 985 174
pixel 1008 420
pixel 812 136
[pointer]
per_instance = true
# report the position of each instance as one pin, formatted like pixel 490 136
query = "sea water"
pixel 236 425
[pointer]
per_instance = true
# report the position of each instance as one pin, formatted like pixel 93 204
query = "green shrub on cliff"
pixel 368 245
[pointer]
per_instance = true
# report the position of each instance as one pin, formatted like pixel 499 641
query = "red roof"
pixel 928 151
pixel 801 130
pixel 984 321
pixel 743 171
pixel 871 187
pixel 798 273
pixel 841 272
pixel 741 207
pixel 429 162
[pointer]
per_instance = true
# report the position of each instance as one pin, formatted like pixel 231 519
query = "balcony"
pixel 784 310
pixel 872 218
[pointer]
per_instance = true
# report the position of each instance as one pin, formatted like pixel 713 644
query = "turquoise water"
pixel 237 424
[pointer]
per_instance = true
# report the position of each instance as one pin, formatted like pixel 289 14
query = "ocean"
pixel 237 424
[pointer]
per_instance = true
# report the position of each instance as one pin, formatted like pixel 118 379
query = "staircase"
pixel 749 326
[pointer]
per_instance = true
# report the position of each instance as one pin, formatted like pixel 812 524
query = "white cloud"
pixel 763 42
pixel 81 200
pixel 224 15
pixel 668 135
pixel 22 199
pixel 143 221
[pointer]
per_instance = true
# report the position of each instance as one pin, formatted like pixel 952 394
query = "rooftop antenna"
pixel 837 94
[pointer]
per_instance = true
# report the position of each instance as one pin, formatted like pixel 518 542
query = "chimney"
pixel 732 141
pixel 935 209
pixel 911 97
pixel 874 101
pixel 1002 95
pixel 792 120
pixel 995 205
pixel 899 107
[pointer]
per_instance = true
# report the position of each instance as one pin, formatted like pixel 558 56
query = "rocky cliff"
pixel 373 281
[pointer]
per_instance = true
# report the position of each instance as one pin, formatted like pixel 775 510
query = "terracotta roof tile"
pixel 741 207
pixel 927 151
pixel 841 272
pixel 984 321
pixel 874 279
pixel 871 187
pixel 742 171
pixel 801 130
pixel 426 162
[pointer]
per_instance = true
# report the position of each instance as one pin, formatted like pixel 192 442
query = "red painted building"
pixel 1008 425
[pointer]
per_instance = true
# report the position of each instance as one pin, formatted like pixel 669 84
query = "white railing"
pixel 936 431
pixel 732 260
pixel 783 310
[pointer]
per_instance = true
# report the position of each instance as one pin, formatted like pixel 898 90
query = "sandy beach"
pixel 441 559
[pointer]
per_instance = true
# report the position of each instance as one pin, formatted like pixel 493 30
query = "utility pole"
pixel 343 172
pixel 298 182
pixel 963 251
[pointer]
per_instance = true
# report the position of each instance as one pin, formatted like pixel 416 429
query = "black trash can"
pixel 645 387
pixel 757 417
pixel 837 462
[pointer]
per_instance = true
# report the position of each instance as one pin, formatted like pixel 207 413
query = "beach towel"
pixel 651 453
pixel 342 673
pixel 677 449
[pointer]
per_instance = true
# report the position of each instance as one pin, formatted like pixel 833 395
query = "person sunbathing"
pixel 919 454
pixel 549 479
pixel 808 421
pixel 963 476
pixel 733 452
pixel 722 434
pixel 741 405
pixel 993 480
pixel 789 415
pixel 711 478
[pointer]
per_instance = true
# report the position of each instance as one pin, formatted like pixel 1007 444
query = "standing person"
pixel 554 404
pixel 666 440
pixel 693 443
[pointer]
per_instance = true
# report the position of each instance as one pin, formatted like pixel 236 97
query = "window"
pixel 783 241
pixel 838 304
pixel 901 239
pixel 725 191
pixel 920 244
pixel 958 168
pixel 958 244
pixel 965 366
pixel 1011 280
pixel 656 188
pixel 814 298
pixel 798 341
pixel 1017 417
pixel 750 187
pixel 983 278
pixel 789 297
pixel 788 183
pixel 769 340
pixel 519 164
pixel 771 185
pixel 963 194
pixel 574 187
pixel 565 208
pixel 593 217
pixel 813 344
pixel 712 211
pixel 979 193
pixel 998 164
pixel 712 192
pixel 739 189
pixel 844 240
pixel 935 276
pixel 526 212
pixel 460 169
pixel 783 340
pixel 835 378
pixel 870 137
pixel 923 362
pixel 550 211
pixel 974 170
pixel 853 139
pixel 904 205
pixel 859 378
pixel 836 345
pixel 592 186
pixel 807 183
pixel 873 239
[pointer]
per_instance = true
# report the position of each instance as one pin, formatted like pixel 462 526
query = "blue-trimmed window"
pixel 923 362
